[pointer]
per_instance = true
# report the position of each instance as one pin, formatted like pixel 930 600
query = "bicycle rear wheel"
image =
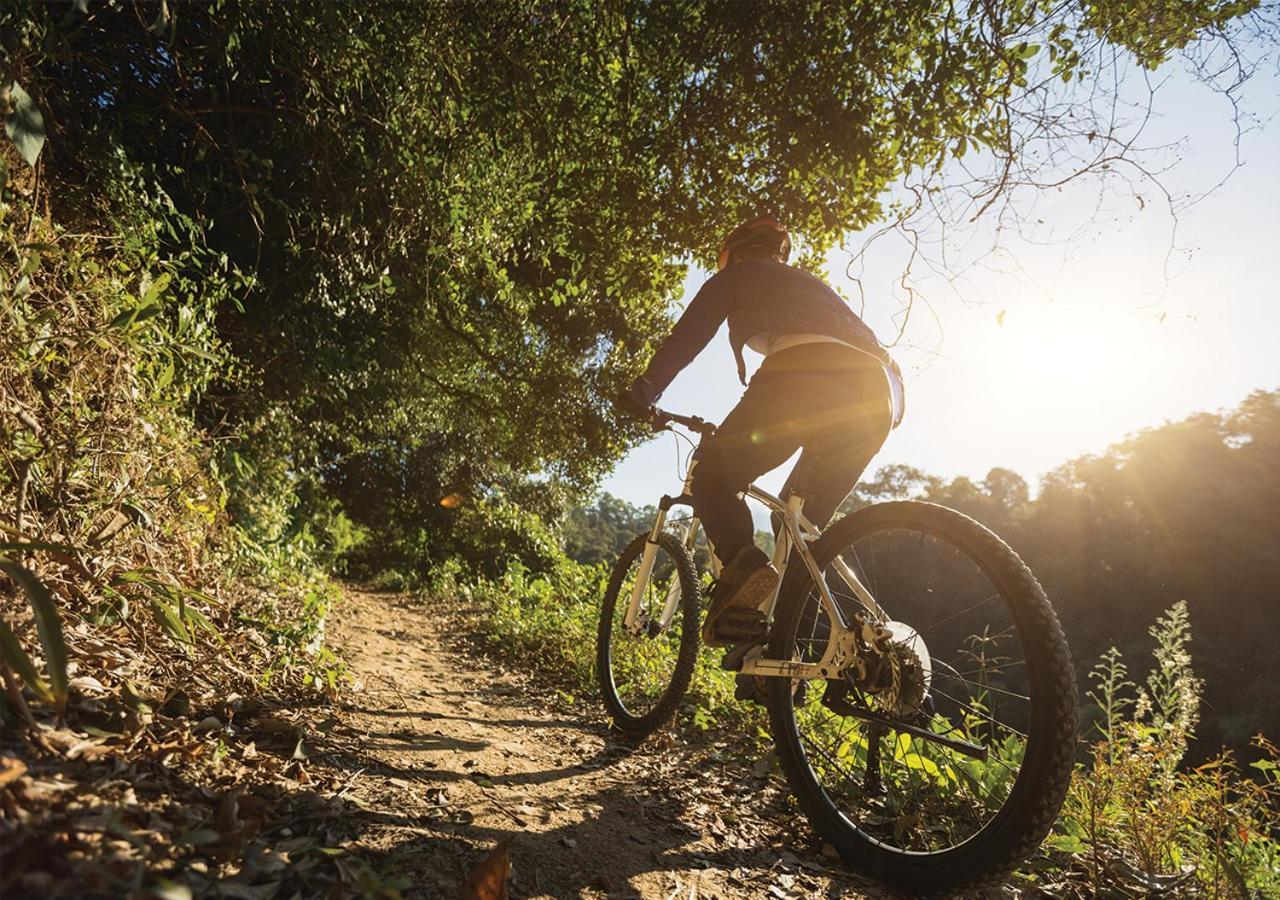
pixel 644 672
pixel 978 657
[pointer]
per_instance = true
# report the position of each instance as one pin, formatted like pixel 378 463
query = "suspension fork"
pixel 673 586
pixel 630 621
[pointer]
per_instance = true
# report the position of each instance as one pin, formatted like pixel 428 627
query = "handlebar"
pixel 693 423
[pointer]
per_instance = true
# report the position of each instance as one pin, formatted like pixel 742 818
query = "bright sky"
pixel 1094 342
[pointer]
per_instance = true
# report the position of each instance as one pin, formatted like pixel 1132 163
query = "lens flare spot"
pixel 453 501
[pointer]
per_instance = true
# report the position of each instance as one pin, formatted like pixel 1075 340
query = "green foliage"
pixel 459 250
pixel 1152 29
pixel 23 122
pixel 391 581
pixel 489 533
pixel 1172 693
pixel 599 532
pixel 1135 816
pixel 548 622
pixel 107 342
pixel 765 541
pixel 1109 694
pixel 172 605
pixel 49 628
pixel 480 534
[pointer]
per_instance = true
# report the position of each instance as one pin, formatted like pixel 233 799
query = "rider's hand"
pixel 634 403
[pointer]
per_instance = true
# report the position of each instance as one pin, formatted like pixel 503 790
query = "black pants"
pixel 826 398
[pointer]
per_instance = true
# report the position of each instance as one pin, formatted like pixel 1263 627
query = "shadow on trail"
pixel 588 813
pixel 426 773
pixel 427 715
pixel 620 837
pixel 604 853
pixel 581 858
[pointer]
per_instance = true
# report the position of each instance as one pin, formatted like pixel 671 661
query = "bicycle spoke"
pixel 985 687
pixel 979 713
pixel 935 625
pixel 998 668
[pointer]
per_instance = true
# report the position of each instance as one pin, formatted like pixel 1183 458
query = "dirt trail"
pixel 457 753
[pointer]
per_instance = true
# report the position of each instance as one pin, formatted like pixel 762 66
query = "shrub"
pixel 1136 820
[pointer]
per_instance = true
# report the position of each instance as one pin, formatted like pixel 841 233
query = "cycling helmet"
pixel 764 233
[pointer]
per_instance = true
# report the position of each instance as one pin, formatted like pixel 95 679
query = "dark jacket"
pixel 756 296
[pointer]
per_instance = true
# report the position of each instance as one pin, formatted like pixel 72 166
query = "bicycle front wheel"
pixel 645 670
pixel 977 658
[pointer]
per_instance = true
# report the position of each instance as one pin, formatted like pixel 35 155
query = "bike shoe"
pixel 745 584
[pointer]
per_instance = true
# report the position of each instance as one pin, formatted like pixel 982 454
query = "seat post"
pixel 794 507
pixel 799 483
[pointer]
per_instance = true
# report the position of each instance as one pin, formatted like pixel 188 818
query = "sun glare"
pixel 1069 357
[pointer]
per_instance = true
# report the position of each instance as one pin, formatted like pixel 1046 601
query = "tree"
pixel 599 532
pixel 891 482
pixel 461 221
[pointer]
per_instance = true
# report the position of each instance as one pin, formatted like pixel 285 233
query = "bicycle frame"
pixel 797 533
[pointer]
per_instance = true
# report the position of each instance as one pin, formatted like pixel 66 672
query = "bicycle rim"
pixel 643 672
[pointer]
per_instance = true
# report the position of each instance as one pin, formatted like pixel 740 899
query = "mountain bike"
pixel 919 688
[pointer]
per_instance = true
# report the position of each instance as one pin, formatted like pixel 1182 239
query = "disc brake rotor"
pixel 910 671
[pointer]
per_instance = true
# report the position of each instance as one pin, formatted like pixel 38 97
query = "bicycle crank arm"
pixel 844 708
pixel 785 668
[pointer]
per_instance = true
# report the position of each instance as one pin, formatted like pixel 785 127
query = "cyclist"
pixel 826 384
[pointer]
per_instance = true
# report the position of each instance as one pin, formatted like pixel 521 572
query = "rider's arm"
pixel 698 325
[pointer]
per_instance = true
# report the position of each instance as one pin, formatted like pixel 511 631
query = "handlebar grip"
pixel 694 423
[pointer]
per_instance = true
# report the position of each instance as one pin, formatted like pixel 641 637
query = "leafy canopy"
pixel 465 223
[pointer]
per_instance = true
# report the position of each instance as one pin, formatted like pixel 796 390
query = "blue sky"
pixel 1095 341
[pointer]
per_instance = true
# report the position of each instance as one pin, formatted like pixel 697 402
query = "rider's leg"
pixel 753 439
pixel 834 459
pixel 841 437
pixel 835 403
pixel 829 398
pixel 836 455
pixel 749 442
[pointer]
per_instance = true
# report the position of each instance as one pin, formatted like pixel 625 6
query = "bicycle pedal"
pixel 742 626
pixel 735 656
